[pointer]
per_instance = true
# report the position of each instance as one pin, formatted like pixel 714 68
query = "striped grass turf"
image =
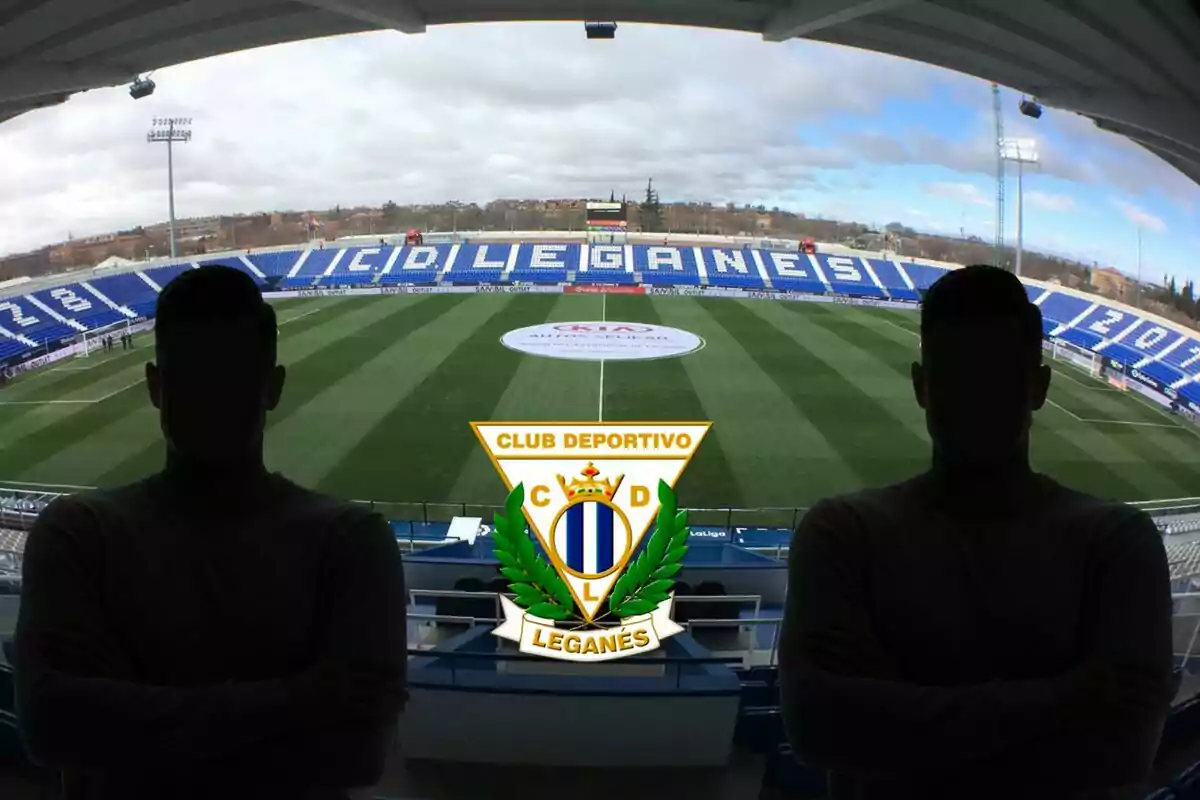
pixel 806 400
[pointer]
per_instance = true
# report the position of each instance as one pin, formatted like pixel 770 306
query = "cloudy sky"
pixel 477 112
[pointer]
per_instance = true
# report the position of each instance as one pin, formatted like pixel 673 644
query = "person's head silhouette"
pixel 981 375
pixel 215 376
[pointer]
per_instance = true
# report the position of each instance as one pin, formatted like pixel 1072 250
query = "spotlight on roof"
pixel 141 87
pixel 600 30
pixel 1030 108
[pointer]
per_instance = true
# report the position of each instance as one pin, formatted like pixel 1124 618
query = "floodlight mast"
pixel 171 130
pixel 1022 152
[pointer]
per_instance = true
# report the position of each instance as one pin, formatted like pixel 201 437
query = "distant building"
pixel 189 229
pixel 1111 282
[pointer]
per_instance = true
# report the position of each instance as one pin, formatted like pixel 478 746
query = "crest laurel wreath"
pixel 647 582
pixel 543 593
pixel 539 589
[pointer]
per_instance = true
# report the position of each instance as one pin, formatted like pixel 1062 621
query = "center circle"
pixel 602 341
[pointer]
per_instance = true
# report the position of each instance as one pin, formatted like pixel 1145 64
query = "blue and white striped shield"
pixel 590 539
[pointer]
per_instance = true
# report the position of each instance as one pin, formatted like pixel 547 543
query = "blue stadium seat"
pixel 236 262
pixel 1185 357
pixel 923 275
pixel 21 317
pixel 1085 339
pixel 358 266
pixel 607 263
pixel 1063 308
pixel 275 264
pixel 418 265
pixel 1120 352
pixel 1150 339
pixel 666 266
pixel 126 289
pixel 544 263
pixel 731 267
pixel 792 272
pixel 481 263
pixel 849 276
pixel 892 280
pixel 164 275
pixel 1161 372
pixel 313 265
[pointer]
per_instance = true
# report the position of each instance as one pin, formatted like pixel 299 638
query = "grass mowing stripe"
pixel 864 361
pixel 1075 452
pixel 91 385
pixel 764 459
pixel 663 390
pixel 18 456
pixel 422 442
pixel 57 384
pixel 862 432
pixel 338 357
pixel 335 422
pixel 1169 453
pixel 1065 460
pixel 573 386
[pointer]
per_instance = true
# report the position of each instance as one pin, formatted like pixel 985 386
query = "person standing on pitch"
pixel 215 630
pixel 978 630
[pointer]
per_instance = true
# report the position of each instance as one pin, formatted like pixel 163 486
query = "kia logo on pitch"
pixel 576 327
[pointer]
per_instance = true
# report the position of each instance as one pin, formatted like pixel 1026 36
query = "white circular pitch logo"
pixel 602 341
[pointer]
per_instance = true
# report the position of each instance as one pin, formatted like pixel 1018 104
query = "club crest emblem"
pixel 593 575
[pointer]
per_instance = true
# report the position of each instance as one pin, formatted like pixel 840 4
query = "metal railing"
pixel 413 594
pixel 21 502
pixel 423 513
pixel 451 658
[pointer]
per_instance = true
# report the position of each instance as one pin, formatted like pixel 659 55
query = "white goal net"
pixel 1075 355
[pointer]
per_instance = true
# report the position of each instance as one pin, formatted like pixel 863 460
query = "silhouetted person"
pixel 979 630
pixel 213 631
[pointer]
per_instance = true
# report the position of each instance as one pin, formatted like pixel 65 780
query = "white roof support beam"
pixel 395 14
pixel 805 17
pixel 1165 117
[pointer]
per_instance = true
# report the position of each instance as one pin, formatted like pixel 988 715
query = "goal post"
pixel 1076 356
pixel 90 341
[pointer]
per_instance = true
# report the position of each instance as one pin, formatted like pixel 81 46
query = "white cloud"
pixel 462 112
pixel 1140 217
pixel 1050 202
pixel 959 191
pixel 475 112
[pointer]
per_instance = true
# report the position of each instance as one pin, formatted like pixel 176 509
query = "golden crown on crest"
pixel 591 487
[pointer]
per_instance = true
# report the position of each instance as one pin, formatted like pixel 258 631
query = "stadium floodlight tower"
pixel 1021 152
pixel 171 130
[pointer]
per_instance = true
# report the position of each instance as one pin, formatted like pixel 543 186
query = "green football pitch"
pixel 806 399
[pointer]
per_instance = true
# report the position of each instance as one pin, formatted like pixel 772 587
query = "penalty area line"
pixel 299 316
pixel 1139 424
pixel 92 401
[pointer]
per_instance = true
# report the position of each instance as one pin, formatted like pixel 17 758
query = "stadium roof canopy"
pixel 1133 66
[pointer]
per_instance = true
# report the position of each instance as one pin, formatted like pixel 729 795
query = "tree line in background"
pixel 1183 300
pixel 650 215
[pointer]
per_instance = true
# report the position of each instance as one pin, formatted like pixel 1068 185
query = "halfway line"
pixel 603 318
